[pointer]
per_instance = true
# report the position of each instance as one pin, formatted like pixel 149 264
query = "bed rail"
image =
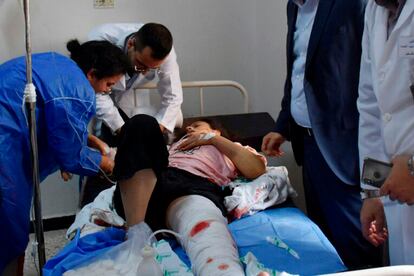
pixel 207 84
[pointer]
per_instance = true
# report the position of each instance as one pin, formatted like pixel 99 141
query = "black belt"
pixel 306 131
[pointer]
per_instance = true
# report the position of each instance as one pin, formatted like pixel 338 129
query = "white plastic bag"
pixel 269 189
pixel 125 258
pixel 122 259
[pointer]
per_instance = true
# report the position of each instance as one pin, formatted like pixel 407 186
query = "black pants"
pixel 172 184
pixel 335 207
pixel 140 146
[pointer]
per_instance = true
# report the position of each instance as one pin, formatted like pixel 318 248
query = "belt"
pixel 307 131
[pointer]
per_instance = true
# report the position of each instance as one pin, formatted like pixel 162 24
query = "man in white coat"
pixel 386 128
pixel 150 49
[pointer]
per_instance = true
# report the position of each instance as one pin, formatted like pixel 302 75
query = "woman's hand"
pixel 196 139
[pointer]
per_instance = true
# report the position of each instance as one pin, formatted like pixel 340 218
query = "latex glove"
pixel 95 142
pixel 112 153
pixel 373 221
pixel 399 185
pixel 140 233
pixel 271 144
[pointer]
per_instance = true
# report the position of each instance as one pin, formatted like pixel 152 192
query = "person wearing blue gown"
pixel 65 90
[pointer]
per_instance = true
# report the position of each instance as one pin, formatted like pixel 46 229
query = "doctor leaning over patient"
pixel 386 126
pixel 65 103
pixel 150 48
pixel 319 116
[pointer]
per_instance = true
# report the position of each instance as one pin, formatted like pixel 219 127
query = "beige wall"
pixel 234 39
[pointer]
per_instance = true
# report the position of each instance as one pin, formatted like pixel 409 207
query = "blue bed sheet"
pixel 317 255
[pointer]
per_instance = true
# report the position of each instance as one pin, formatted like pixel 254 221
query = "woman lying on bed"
pixel 188 196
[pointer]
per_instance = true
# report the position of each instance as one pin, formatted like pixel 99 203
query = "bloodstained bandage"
pixel 223 266
pixel 202 225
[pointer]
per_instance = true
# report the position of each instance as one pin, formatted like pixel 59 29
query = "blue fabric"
pixel 81 250
pixel 65 104
pixel 316 253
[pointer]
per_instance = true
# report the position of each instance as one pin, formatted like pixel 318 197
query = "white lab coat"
pixel 169 85
pixel 386 108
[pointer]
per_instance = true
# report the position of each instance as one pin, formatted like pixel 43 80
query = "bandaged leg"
pixel 206 238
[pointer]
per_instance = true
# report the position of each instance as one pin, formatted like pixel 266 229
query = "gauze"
pixel 205 236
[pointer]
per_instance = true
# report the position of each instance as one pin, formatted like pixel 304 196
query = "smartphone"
pixel 375 172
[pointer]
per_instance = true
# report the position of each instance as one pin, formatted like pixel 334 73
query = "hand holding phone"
pixel 375 172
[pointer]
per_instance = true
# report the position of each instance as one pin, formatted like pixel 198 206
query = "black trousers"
pixel 335 207
pixel 172 184
pixel 140 146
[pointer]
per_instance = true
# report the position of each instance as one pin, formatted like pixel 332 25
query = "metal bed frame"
pixel 201 85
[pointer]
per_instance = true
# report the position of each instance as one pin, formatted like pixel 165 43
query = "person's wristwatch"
pixel 410 164
pixel 369 194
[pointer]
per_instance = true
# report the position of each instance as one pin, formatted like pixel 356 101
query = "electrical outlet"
pixel 103 4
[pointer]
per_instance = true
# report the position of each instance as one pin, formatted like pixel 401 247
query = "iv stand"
pixel 30 99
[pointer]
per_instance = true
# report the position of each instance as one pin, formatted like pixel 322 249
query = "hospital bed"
pixel 316 255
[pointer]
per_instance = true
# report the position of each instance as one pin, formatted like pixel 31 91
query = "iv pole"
pixel 30 99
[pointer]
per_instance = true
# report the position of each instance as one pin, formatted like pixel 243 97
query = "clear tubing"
pixel 178 236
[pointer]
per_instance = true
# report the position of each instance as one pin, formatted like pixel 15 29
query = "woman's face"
pixel 103 85
pixel 200 127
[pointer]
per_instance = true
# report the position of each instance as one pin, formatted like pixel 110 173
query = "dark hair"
pixel 155 36
pixel 214 124
pixel 104 58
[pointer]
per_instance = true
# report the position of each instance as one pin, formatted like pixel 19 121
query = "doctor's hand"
pixel 271 144
pixel 373 221
pixel 399 185
pixel 96 143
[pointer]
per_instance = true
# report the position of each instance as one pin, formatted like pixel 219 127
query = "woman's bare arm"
pixel 250 165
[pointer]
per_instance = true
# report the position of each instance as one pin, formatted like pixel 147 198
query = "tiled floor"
pixel 54 241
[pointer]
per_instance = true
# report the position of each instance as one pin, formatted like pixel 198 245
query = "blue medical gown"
pixel 65 104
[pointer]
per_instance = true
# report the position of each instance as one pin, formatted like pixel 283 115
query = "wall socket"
pixel 103 4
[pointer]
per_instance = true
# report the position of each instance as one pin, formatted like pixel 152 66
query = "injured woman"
pixel 188 197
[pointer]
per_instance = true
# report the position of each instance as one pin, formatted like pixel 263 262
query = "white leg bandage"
pixel 206 238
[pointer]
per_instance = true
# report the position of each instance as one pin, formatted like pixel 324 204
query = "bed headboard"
pixel 246 128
